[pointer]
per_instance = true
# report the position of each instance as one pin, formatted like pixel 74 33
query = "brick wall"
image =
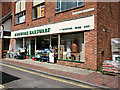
pixel 49 13
pixel 108 20
pixel 6 8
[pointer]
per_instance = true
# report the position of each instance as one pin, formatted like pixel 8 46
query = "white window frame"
pixel 40 10
pixel 69 8
pixel 20 12
pixel 43 6
pixel 20 6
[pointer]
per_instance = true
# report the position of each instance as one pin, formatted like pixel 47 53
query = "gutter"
pixel 10 13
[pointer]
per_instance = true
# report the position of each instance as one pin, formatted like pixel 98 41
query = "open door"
pixel 32 54
pixel 54 44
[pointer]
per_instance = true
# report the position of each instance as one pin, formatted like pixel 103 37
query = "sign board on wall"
pixel 81 24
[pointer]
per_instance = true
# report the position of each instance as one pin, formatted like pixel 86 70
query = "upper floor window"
pixel 38 9
pixel 20 11
pixel 62 5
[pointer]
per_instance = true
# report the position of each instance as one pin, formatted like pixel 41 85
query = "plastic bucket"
pixel 33 58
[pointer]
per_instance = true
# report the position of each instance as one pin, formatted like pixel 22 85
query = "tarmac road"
pixel 15 77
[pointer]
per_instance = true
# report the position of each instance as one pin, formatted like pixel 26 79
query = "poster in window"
pixel 22 19
pixel 42 11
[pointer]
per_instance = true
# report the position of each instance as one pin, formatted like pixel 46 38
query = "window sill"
pixel 38 18
pixel 71 60
pixel 19 23
pixel 69 9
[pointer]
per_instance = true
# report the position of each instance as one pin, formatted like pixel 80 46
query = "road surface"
pixel 16 77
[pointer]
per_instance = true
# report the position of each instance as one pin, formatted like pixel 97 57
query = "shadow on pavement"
pixel 7 78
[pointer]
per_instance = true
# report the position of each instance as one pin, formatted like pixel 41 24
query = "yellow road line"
pixel 46 76
pixel 2 87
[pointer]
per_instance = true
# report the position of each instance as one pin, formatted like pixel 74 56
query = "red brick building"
pixel 57 25
pixel 5 9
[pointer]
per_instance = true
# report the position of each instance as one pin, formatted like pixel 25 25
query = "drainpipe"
pixel 2 29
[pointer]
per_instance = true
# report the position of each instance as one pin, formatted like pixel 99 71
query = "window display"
pixel 72 46
pixel 18 44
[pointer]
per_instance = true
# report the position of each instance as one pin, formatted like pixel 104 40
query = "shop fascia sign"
pixel 75 25
pixel 33 32
pixel 45 30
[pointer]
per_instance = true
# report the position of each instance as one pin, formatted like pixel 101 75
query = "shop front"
pixel 65 40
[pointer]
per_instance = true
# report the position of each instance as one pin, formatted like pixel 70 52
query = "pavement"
pixel 72 73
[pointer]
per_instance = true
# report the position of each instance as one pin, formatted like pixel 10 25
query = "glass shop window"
pixel 43 42
pixel 72 46
pixel 62 5
pixel 20 6
pixel 18 44
pixel 38 9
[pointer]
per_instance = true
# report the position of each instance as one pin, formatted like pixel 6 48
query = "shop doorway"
pixel 32 48
pixel 54 44
pixel 6 43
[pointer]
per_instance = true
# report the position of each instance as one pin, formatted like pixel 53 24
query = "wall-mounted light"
pixel 104 30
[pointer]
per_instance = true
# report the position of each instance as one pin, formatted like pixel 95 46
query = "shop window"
pixel 72 47
pixel 18 44
pixel 43 42
pixel 38 9
pixel 20 11
pixel 62 5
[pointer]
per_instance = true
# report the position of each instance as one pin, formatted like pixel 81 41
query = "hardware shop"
pixel 65 40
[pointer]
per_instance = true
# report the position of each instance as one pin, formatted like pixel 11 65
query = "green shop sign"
pixel 87 26
pixel 33 32
pixel 66 28
pixel 78 27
